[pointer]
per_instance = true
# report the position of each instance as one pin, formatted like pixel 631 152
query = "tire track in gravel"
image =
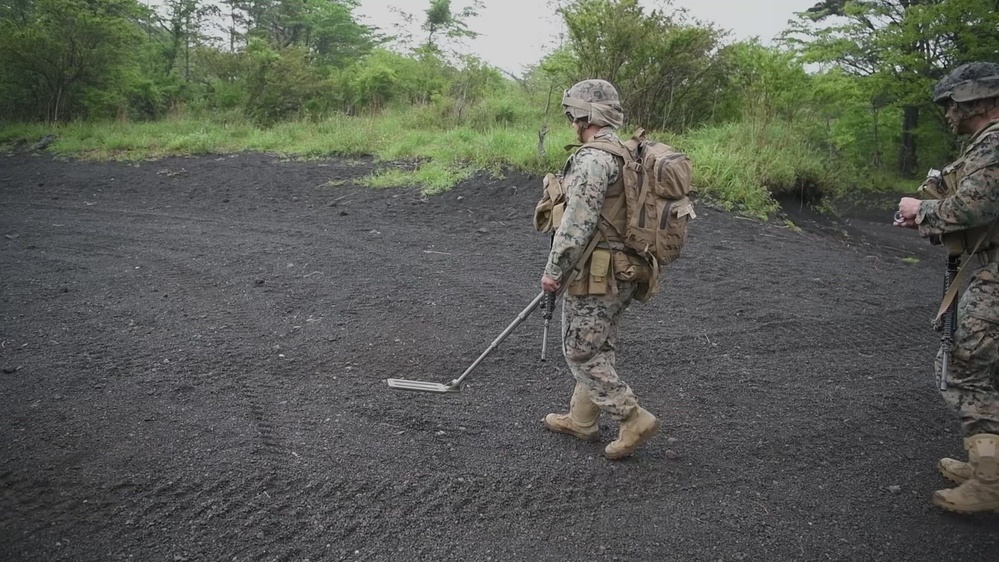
pixel 167 498
pixel 255 457
pixel 171 501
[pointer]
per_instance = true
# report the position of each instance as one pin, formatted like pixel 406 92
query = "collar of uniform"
pixel 992 126
pixel 605 133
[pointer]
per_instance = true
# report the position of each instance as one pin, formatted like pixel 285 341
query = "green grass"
pixel 739 165
pixel 743 165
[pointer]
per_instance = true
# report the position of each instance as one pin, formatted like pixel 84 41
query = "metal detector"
pixel 455 385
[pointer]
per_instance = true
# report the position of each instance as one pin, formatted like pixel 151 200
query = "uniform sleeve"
pixel 586 184
pixel 976 200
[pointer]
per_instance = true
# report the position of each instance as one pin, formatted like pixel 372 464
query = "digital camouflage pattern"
pixel 590 322
pixel 968 82
pixel 595 91
pixel 973 377
pixel 590 172
pixel 975 201
pixel 589 340
pixel 595 101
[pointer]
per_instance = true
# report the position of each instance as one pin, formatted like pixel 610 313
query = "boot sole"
pixel 588 437
pixel 652 432
pixel 941 503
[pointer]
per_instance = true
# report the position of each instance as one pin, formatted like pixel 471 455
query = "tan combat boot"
pixel 581 421
pixel 981 491
pixel 636 429
pixel 954 470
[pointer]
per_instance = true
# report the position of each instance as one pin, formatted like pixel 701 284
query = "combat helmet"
pixel 968 82
pixel 596 101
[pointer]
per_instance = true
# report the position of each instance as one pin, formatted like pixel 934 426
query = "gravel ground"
pixel 194 352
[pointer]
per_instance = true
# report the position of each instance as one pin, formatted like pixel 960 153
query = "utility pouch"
pixel 549 210
pixel 628 268
pixel 600 268
pixel 954 242
pixel 594 277
pixel 578 287
pixel 634 269
pixel 934 186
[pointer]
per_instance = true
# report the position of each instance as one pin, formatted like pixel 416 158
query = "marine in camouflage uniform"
pixel 590 317
pixel 965 221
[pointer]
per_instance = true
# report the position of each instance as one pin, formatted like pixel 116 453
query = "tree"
pixel 763 83
pixel 903 46
pixel 181 23
pixel 440 19
pixel 333 34
pixel 664 68
pixel 328 29
pixel 57 52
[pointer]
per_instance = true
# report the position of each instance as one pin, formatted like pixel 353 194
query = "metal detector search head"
pixel 455 386
pixel 403 384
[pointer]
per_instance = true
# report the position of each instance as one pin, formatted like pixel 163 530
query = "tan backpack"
pixel 657 184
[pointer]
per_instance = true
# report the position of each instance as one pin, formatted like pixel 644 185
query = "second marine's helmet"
pixel 968 82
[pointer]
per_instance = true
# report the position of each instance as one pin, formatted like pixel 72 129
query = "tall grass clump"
pixel 744 164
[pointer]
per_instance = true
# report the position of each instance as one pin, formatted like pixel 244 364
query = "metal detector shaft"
pixel 520 318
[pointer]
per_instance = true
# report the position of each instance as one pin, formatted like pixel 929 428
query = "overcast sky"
pixel 515 33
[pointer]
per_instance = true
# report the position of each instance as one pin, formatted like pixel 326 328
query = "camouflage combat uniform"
pixel 590 322
pixel 582 207
pixel 973 377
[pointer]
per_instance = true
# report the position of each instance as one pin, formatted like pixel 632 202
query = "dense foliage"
pixel 897 49
pixel 840 104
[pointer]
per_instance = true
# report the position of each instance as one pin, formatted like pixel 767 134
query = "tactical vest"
pixel 614 214
pixel 967 241
pixel 643 221
pixel 611 260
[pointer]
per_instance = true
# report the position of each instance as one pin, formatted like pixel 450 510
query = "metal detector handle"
pixel 549 306
pixel 949 324
pixel 520 318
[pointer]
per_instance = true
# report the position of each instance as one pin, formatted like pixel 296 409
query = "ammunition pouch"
pixel 607 266
pixel 954 243
pixel 596 275
pixel 971 240
pixel 991 255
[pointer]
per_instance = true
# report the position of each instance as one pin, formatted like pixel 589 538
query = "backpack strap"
pixel 624 153
pixel 636 140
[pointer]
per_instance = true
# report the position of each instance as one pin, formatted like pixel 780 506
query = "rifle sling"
pixel 577 267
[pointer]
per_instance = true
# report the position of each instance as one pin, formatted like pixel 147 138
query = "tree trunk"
pixel 876 157
pixel 907 156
